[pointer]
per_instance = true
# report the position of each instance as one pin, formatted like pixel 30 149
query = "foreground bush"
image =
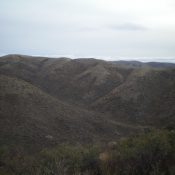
pixel 153 153
pixel 149 154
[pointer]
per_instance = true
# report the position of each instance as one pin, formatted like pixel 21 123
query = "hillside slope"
pixel 78 81
pixel 147 97
pixel 31 117
pixel 49 101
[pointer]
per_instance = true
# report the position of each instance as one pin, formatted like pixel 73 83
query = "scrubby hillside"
pixel 147 154
pixel 75 81
pixel 147 96
pixel 48 101
pixel 31 117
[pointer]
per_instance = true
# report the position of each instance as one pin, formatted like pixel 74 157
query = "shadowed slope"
pixel 30 116
pixel 51 101
pixel 147 96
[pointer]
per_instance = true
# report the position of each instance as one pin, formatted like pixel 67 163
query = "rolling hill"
pixel 46 101
pixel 29 116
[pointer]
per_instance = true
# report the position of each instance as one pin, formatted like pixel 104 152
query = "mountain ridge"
pixel 90 100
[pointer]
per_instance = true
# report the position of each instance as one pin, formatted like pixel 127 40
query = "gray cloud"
pixel 136 28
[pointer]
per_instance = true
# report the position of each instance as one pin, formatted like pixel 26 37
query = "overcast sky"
pixel 128 29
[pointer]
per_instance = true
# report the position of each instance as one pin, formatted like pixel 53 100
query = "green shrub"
pixel 152 153
pixel 148 154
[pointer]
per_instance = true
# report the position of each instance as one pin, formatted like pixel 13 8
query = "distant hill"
pixel 147 97
pixel 138 64
pixel 47 101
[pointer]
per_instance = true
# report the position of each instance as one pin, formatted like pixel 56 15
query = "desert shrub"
pixel 69 160
pixel 152 153
pixel 61 160
pixel 90 160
